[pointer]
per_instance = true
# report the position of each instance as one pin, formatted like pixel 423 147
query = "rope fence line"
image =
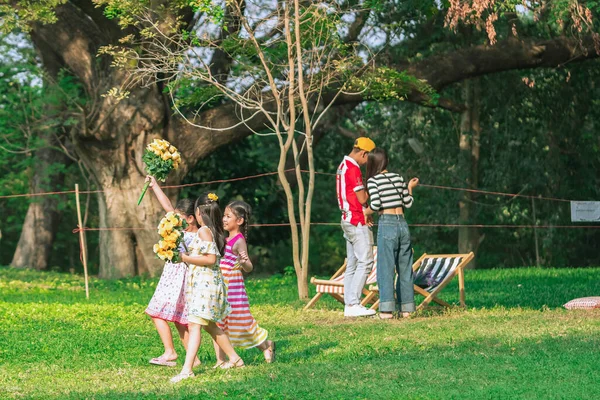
pixel 503 226
pixel 485 192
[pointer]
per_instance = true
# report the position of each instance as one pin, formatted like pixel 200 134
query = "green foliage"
pixel 192 95
pixel 215 13
pixel 156 166
pixel 514 341
pixel 384 84
pixel 123 10
pixel 36 111
pixel 24 13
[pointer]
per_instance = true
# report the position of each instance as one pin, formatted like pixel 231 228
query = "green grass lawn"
pixel 513 341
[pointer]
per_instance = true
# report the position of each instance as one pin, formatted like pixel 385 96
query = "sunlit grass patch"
pixel 514 340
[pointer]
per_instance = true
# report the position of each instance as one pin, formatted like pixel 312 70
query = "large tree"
pixel 114 131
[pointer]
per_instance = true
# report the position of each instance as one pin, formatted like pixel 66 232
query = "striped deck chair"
pixel 432 272
pixel 335 285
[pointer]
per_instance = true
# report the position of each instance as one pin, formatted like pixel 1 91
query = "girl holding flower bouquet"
pixel 168 303
pixel 206 291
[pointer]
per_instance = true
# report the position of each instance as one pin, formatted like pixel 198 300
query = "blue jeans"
pixel 359 248
pixel 394 255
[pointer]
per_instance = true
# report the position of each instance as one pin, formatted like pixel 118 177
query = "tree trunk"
pixel 128 231
pixel 43 215
pixel 470 132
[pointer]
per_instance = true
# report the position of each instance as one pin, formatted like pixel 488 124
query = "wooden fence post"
pixel 82 241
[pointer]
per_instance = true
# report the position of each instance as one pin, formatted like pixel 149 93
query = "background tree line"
pixel 527 131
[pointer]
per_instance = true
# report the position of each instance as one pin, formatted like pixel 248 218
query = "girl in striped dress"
pixel 240 326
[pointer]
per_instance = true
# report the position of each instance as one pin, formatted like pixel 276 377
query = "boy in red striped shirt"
pixel 352 197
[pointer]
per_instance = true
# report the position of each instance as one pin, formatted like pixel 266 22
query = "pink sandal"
pixel 161 361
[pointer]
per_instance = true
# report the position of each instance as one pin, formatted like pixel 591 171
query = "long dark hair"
pixel 207 205
pixel 186 207
pixel 241 209
pixel 377 161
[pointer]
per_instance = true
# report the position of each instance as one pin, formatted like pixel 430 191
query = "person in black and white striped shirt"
pixel 388 190
pixel 390 195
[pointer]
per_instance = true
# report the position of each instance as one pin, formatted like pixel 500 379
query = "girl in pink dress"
pixel 240 325
pixel 168 304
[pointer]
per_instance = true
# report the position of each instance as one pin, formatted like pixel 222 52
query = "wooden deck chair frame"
pixel 370 295
pixel 432 296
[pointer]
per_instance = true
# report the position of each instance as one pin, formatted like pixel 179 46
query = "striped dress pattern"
pixel 240 325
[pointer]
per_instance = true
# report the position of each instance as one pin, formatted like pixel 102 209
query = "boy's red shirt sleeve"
pixel 354 179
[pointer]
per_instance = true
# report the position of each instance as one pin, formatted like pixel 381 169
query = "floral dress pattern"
pixel 206 292
pixel 168 301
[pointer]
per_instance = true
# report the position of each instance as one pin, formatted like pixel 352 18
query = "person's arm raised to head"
pixel 201 259
pixel 160 195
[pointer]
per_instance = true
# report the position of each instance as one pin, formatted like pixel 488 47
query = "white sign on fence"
pixel 585 211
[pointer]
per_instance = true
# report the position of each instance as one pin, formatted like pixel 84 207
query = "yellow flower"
pixel 169 215
pixel 169 254
pixel 213 197
pixel 156 248
pixel 163 144
pixel 166 156
pixel 172 149
pixel 175 165
pixel 173 236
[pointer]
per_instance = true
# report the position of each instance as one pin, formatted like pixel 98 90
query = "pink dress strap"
pixel 234 239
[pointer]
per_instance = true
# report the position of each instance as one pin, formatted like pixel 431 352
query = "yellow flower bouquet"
pixel 170 229
pixel 160 158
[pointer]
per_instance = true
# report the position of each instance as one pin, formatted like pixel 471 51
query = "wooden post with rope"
pixel 82 242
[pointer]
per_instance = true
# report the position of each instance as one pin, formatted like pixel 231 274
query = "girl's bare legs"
pixel 164 331
pixel 268 349
pixel 192 347
pixel 184 336
pixel 221 356
pixel 223 342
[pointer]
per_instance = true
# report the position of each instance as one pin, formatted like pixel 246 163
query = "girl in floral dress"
pixel 168 302
pixel 240 325
pixel 206 292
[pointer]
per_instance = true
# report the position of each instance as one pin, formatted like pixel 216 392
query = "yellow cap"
pixel 364 143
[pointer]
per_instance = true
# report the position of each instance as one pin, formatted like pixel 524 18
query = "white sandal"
pixel 181 376
pixel 239 363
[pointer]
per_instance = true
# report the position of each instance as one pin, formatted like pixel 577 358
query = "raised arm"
pixel 407 192
pixel 160 195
